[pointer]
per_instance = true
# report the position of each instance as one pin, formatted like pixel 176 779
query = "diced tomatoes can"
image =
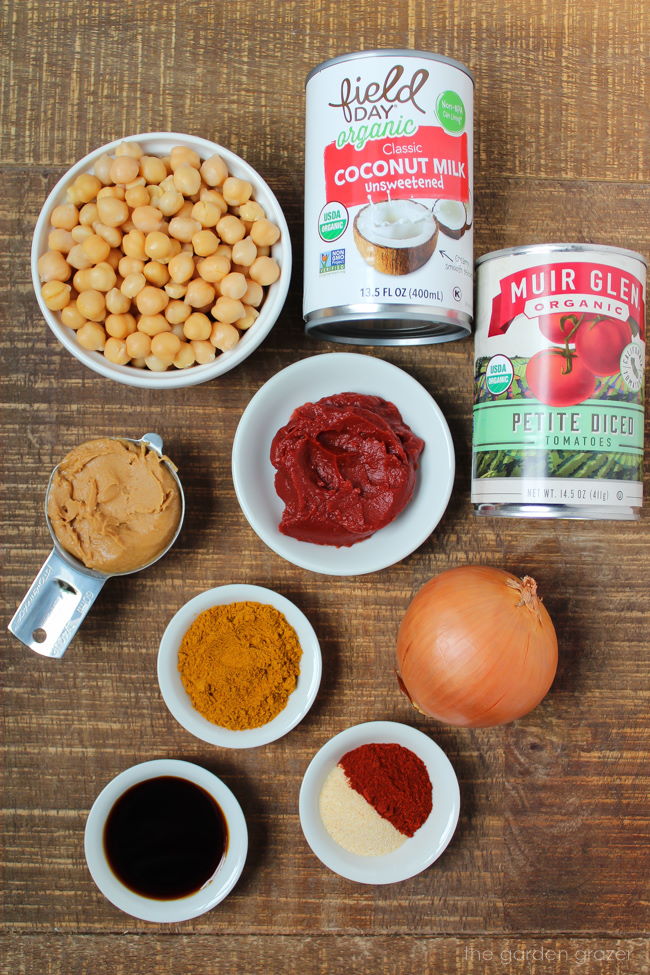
pixel 559 382
pixel 388 199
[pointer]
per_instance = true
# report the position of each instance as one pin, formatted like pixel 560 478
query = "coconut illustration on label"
pixel 395 236
pixel 453 217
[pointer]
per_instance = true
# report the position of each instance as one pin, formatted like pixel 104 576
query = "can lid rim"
pixel 558 248
pixel 391 52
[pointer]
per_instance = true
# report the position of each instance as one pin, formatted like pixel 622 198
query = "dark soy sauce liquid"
pixel 165 838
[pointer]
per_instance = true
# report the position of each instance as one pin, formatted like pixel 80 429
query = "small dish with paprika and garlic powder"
pixel 239 666
pixel 379 802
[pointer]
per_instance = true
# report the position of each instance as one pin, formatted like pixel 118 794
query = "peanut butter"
pixel 114 505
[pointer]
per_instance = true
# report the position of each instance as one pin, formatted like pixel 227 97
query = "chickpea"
pixel 84 189
pixel 183 156
pixel 224 336
pixel 236 191
pixel 130 265
pixel 112 211
pixel 181 268
pixel 156 273
pixel 253 295
pixel 204 352
pixel 91 336
pixel 205 243
pixel 250 317
pixel 187 180
pixel 153 324
pixel 214 196
pixel 72 317
pixel 130 149
pixel 80 233
pixel 170 202
pixel 157 245
pixel 186 209
pixel 60 240
pixel 137 196
pixel 183 228
pixel 96 248
pixel 138 363
pixel 52 266
pixel 184 357
pixel 153 169
pixel 175 290
pixel 56 294
pixel 92 305
pixel 214 170
pixel 154 364
pixel 177 312
pixel 133 245
pixel 251 211
pixel 265 270
pixel 207 213
pixel 165 345
pixel 81 280
pixel 102 277
pixel 244 252
pixel 114 257
pixel 124 169
pixel 117 303
pixel 231 229
pixel 214 268
pixel 77 258
pixel 102 169
pixel 133 284
pixel 228 310
pixel 233 285
pixel 264 233
pixel 115 350
pixel 147 219
pixel 199 293
pixel 119 326
pixel 151 300
pixel 138 345
pixel 154 192
pixel 197 327
pixel 88 214
pixel 112 235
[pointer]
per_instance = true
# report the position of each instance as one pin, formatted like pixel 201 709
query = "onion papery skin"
pixel 476 647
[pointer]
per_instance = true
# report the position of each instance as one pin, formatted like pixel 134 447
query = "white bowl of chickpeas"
pixel 161 260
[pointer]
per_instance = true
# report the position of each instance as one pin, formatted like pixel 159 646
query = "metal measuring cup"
pixel 65 589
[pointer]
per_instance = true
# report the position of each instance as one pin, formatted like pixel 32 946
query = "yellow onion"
pixel 476 647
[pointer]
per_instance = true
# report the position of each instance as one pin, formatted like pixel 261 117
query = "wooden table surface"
pixel 548 869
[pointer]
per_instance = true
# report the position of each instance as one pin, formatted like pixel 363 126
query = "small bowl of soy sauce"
pixel 166 841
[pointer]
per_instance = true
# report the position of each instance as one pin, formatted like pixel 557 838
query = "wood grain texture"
pixel 551 848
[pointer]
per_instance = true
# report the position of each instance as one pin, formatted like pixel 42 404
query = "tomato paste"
pixel 346 467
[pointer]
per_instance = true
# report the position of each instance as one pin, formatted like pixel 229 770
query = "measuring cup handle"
pixel 55 606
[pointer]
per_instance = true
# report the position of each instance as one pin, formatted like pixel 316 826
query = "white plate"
pixel 308 381
pixel 148 909
pixel 416 853
pixel 177 699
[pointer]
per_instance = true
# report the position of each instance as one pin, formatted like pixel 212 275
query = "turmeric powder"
pixel 239 663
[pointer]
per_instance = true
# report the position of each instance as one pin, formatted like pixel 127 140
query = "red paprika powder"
pixel 394 780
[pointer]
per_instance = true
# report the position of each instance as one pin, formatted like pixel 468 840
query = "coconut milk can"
pixel 388 199
pixel 558 382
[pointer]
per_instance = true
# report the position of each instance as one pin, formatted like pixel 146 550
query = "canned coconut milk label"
pixel 388 199
pixel 559 382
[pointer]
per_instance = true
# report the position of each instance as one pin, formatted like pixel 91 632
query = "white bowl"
pixel 418 851
pixel 161 143
pixel 183 908
pixel 178 700
pixel 308 381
